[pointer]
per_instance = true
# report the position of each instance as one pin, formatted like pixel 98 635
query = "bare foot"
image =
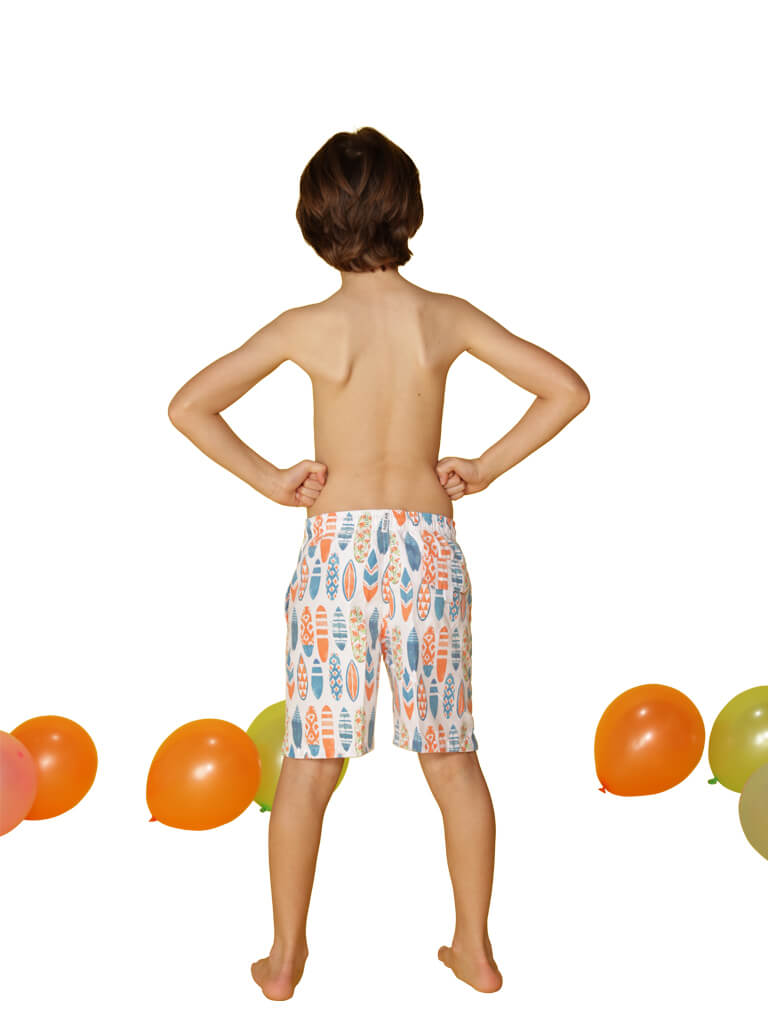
pixel 278 977
pixel 477 969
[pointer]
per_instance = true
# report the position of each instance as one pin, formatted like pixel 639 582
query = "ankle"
pixel 475 946
pixel 285 951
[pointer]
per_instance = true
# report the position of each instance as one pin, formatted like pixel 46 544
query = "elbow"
pixel 176 412
pixel 183 414
pixel 578 395
pixel 582 398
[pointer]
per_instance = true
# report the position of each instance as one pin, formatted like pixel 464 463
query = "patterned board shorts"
pixel 371 582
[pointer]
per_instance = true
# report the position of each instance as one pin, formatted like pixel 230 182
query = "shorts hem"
pixel 307 755
pixel 455 750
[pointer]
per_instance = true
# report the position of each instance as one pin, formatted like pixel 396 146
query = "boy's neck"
pixel 370 282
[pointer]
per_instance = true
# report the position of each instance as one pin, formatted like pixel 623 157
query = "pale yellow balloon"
pixel 266 731
pixel 753 810
pixel 738 740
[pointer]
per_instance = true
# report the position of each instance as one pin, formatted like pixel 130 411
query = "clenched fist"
pixel 300 484
pixel 460 476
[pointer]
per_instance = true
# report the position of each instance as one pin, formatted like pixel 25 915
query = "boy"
pixel 380 572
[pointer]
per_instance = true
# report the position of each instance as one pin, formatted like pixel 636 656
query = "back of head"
pixel 360 201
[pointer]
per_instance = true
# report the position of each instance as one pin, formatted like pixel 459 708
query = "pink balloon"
pixel 18 782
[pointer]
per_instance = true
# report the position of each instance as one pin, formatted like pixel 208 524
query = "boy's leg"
pixel 303 790
pixel 458 785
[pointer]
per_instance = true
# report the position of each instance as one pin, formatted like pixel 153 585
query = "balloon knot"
pixel 713 781
pixel 153 819
pixel 602 789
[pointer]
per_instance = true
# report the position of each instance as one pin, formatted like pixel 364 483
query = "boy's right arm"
pixel 560 393
pixel 196 409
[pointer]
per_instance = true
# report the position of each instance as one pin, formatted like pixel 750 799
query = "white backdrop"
pixel 594 178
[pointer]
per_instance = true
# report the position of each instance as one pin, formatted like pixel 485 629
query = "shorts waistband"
pixel 330 522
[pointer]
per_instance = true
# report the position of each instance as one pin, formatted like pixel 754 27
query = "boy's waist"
pixel 341 521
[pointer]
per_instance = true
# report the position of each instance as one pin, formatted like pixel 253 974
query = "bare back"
pixel 378 354
pixel 378 367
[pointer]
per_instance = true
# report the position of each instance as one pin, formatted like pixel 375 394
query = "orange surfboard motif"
pixel 329 739
pixel 304 578
pixel 443 645
pixel 430 553
pixel 423 600
pixel 321 631
pixel 421 698
pixel 302 678
pixel 310 725
pixel 442 562
pixel 353 681
pixel 428 648
pixel 328 536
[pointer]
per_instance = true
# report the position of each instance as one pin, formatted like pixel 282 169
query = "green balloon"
pixel 753 809
pixel 738 742
pixel 267 731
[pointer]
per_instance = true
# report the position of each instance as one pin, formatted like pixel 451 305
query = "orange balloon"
pixel 203 775
pixel 648 739
pixel 66 762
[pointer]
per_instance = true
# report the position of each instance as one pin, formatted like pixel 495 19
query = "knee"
pixel 449 765
pixel 315 774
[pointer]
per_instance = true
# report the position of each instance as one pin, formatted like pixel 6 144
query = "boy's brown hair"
pixel 360 201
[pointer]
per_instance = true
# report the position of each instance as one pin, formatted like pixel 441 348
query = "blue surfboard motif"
pixel 449 694
pixel 345 729
pixel 371 571
pixel 335 676
pixel 373 626
pixel 405 689
pixel 344 536
pixel 332 577
pixel 433 698
pixel 412 552
pixel 382 536
pixel 338 629
pixel 316 680
pixel 296 728
pixel 370 667
pixel 406 588
pixel 315 579
pixel 455 648
pixel 412 649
